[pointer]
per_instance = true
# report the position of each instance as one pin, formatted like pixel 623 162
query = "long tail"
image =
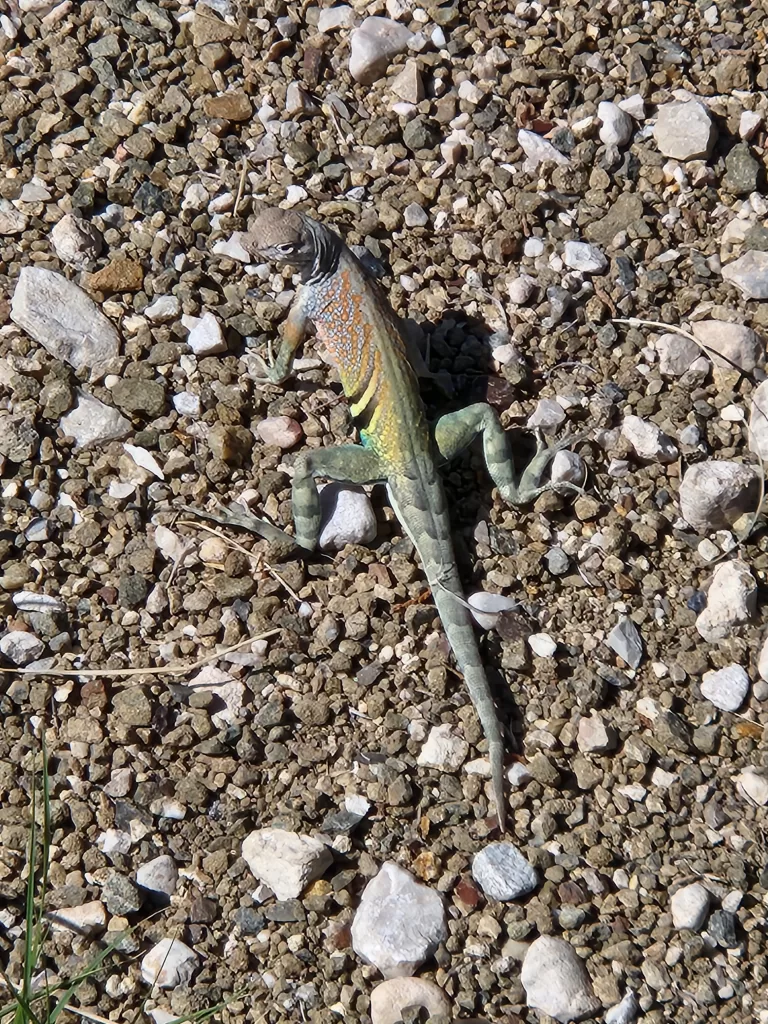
pixel 457 623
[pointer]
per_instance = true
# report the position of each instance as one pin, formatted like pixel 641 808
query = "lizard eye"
pixel 286 248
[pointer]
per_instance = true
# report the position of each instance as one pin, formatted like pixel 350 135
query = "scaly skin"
pixel 353 319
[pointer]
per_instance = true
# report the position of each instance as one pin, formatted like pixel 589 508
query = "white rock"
pixel 753 784
pixel 20 648
pixel 567 467
pixel 408 85
pixel 205 336
pixel 168 964
pixel 538 150
pixel 296 100
pixel 91 422
pixel 676 354
pixel 280 431
pixel 285 861
pixel 758 422
pixel 749 274
pixel 730 345
pixel 63 319
pixel 332 18
pixel 634 106
pixel 731 601
pixel 443 749
pixel 196 197
pixel 715 493
pixel 347 517
pixel 617 127
pixel 542 645
pixel 625 1012
pixel 233 248
pixel 399 922
pixel 547 416
pixel 584 257
pixel 158 875
pixel 87 919
pixel 503 873
pixel 163 309
pixel 594 736
pixel 373 46
pixel 556 981
pixel 390 998
pixel 648 440
pixel 749 122
pixel 12 221
pixel 521 289
pixel 684 131
pixel 75 241
pixel 726 688
pixel 31 601
pixel 518 774
pixel 187 404
pixel 470 93
pixel 689 906
pixel 144 459
pixel 533 247
pixel 486 608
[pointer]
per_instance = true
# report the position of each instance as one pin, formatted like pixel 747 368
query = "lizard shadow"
pixel 462 345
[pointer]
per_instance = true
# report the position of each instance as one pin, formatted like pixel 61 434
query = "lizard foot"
pixel 266 370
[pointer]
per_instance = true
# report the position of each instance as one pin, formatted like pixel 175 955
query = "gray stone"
pixel 120 895
pixel 627 209
pixel 63 319
pixel 12 221
pixel 689 907
pixel 741 170
pixel 503 873
pixel 21 648
pixel 625 640
pixel 159 875
pixel 75 241
pixel 19 440
pixel 730 346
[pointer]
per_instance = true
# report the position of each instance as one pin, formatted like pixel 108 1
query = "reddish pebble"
pixel 281 431
pixel 467 893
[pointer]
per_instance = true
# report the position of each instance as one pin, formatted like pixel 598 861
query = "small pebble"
pixel 503 873
pixel 726 688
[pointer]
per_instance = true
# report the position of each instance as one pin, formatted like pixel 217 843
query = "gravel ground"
pixel 521 177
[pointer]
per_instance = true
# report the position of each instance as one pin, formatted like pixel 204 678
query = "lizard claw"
pixel 264 371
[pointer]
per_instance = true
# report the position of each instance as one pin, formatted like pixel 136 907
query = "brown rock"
pixel 232 106
pixel 118 276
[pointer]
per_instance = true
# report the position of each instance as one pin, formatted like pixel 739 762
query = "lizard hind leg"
pixel 349 463
pixel 455 431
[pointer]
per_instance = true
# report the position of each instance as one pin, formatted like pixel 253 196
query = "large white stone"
pixel 556 981
pixel 443 749
pixel 373 46
pixel 285 861
pixel 726 688
pixel 731 601
pixel 714 493
pixel 63 319
pixel 75 241
pixel 347 517
pixel 399 922
pixel 168 964
pixel 689 907
pixel 684 131
pixel 390 999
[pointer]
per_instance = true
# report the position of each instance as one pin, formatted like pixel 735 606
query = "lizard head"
pixel 281 236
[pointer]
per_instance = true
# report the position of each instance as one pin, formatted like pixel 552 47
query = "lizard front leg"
pixel 275 371
pixel 455 431
pixel 349 463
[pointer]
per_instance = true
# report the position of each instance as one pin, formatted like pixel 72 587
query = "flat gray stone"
pixel 63 319
pixel 749 274
pixel 92 422
pixel 503 873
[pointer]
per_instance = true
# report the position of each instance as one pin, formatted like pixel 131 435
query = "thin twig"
pixel 258 559
pixel 241 185
pixel 119 673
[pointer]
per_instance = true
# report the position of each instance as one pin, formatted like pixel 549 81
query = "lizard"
pixel 353 318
